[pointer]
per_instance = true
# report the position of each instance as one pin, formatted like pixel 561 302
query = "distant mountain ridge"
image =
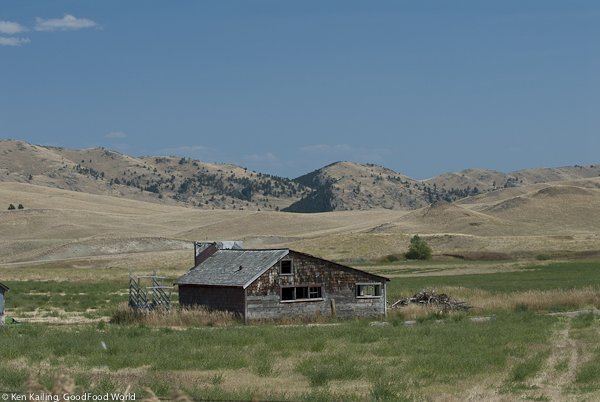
pixel 352 186
pixel 173 180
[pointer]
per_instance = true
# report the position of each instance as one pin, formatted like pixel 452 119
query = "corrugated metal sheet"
pixel 223 267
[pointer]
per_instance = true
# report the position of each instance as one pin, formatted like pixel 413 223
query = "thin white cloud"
pixel 115 134
pixel 268 157
pixel 315 148
pixel 11 28
pixel 12 41
pixel 194 148
pixel 323 148
pixel 343 148
pixel 68 22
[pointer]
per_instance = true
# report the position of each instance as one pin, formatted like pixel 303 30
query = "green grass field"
pixel 517 352
pixel 557 276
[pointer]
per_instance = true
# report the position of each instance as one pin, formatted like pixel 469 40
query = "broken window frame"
pixel 314 292
pixel 374 288
pixel 291 270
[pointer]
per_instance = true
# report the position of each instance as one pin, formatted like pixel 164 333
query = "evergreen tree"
pixel 11 207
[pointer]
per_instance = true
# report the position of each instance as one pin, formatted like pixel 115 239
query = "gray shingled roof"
pixel 223 267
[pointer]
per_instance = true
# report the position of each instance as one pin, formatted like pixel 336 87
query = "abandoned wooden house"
pixel 279 283
pixel 3 289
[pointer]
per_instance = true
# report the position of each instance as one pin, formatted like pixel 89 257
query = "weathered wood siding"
pixel 214 297
pixel 264 294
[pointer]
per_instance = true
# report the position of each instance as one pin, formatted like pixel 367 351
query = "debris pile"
pixel 427 297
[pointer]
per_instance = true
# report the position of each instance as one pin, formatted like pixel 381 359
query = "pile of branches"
pixel 427 297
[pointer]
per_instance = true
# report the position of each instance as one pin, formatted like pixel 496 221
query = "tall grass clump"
pixel 383 389
pixel 529 367
pixel 12 378
pixel 320 370
pixel 178 317
pixel 589 372
pixel 262 363
pixel 584 320
pixel 535 300
pixel 549 300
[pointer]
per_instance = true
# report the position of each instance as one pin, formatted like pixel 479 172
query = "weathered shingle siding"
pixel 213 297
pixel 2 318
pixel 264 299
pixel 1 301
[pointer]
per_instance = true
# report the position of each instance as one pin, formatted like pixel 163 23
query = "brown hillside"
pixel 162 180
pixel 442 217
pixel 75 208
pixel 61 224
pixel 358 186
pixel 561 208
pixel 170 180
pixel 488 180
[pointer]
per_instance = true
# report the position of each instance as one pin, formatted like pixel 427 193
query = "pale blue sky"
pixel 286 87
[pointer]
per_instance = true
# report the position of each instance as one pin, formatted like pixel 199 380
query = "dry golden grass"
pixel 178 317
pixel 171 264
pixel 542 300
pixel 539 301
pixel 59 224
pixel 62 385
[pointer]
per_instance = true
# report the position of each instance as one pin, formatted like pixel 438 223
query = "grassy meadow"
pixel 520 352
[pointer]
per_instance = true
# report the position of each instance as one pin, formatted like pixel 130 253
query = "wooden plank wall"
pixel 339 285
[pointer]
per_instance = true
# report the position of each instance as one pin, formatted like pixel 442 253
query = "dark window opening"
pixel 301 293
pixel 286 267
pixel 287 293
pixel 368 290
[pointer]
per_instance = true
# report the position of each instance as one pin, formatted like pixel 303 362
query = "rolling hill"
pixel 169 180
pixel 75 208
pixel 345 186
pixel 166 180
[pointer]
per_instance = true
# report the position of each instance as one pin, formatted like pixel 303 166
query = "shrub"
pixel 393 258
pixel 321 370
pixel 521 308
pixel 20 206
pixel 418 249
pixel 11 207
pixel 529 367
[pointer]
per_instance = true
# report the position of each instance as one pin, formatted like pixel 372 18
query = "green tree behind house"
pixel 418 249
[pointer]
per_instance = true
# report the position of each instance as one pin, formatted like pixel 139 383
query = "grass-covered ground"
pixel 521 352
pixel 570 275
